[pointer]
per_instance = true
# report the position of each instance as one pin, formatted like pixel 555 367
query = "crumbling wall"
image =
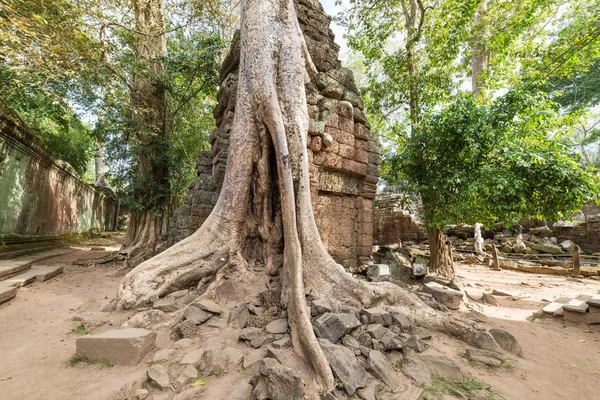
pixel 40 197
pixel 396 220
pixel 343 154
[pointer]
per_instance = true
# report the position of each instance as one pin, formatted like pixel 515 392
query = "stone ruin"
pixel 343 153
pixel 396 219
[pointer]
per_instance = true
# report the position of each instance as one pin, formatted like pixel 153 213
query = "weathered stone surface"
pixel 190 394
pixel 7 292
pixel 166 304
pixel 277 326
pixel 344 366
pixel 280 383
pixel 282 343
pixel 193 357
pixel 252 358
pixel 392 342
pixel 372 388
pixel 422 333
pixel 319 307
pixel 261 341
pixel 163 355
pixel 484 357
pixel 476 316
pixel 417 370
pixel 507 341
pixel 449 297
pixel 441 365
pixel 381 368
pixel 400 320
pixel 250 333
pixel 377 270
pixel 377 316
pixel 333 326
pixel 416 344
pixel 216 322
pixel 196 315
pixel 187 377
pixel 119 346
pixel 241 391
pixel 145 319
pixel 489 299
pixel 377 331
pixel 158 376
pixel 208 305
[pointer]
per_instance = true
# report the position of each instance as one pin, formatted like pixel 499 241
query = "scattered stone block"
pixel 183 343
pixel 448 297
pixel 489 299
pixel 145 319
pixel 279 383
pixel 422 333
pixel 166 304
pixel 377 316
pixel 351 343
pixel 377 331
pixel 484 357
pixel 250 333
pixel 400 320
pixel 7 292
pixel 277 326
pixel 477 316
pixel 575 305
pixel 372 388
pixel 163 355
pixel 441 365
pixel 381 368
pixel 507 341
pixel 332 326
pixel 190 394
pixel 187 377
pixel 344 366
pixel 158 376
pixel 196 315
pixel 319 307
pixel 241 391
pixel 501 293
pixel 216 322
pixel 208 305
pixel 261 341
pixel 240 318
pixel 193 357
pixel 392 342
pixel 120 346
pixel 252 358
pixel 378 270
pixel 282 343
pixel 416 370
pixel 416 344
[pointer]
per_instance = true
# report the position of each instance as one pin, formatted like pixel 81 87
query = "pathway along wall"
pixel 40 199
pixel 343 154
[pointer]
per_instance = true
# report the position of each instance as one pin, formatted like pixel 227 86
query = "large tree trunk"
pixel 149 222
pixel 440 261
pixel 263 223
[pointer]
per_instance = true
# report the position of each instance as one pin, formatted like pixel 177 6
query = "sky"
pixel 332 9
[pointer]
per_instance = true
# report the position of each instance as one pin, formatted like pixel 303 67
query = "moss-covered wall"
pixel 39 196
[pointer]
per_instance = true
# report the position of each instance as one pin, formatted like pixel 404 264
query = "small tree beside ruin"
pixel 495 163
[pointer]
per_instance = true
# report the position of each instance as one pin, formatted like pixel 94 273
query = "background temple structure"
pixel 343 154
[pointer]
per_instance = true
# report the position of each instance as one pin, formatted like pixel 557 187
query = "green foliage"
pixel 80 329
pixel 470 387
pixel 493 163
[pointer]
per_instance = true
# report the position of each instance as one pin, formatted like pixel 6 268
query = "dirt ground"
pixel 37 340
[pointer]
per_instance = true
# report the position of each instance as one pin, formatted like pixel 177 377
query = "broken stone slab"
pixel 422 333
pixel 193 357
pixel 241 391
pixel 378 270
pixel 216 322
pixel 163 355
pixel 489 299
pixel 189 394
pixel 351 343
pixel 371 390
pixel 166 304
pixel 187 377
pixel 501 293
pixel 145 319
pixel 277 326
pixel 416 370
pixel 262 341
pixel 7 292
pixel 416 344
pixel 158 376
pixel 381 368
pixel 279 383
pixel 332 326
pixel 448 297
pixel 392 342
pixel 594 301
pixel 319 307
pixel 507 341
pixel 344 366
pixel 196 315
pixel 208 305
pixel 556 307
pixel 568 246
pixel 119 346
pixel 441 365
pixel 10 268
pixel 575 305
pixel 377 316
pixel 282 343
pixel 484 357
pixel 477 316
pixel 252 358
pixel 377 331
pixel 250 333
pixel 40 274
pixel 400 320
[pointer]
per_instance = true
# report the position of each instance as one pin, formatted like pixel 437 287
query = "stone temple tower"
pixel 343 154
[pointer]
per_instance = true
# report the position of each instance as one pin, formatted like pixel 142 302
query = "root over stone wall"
pixel 343 153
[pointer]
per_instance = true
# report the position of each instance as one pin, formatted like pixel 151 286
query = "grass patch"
pixel 465 389
pixel 75 360
pixel 80 329
pixel 106 364
pixel 536 315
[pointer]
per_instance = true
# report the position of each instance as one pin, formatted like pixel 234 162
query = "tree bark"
pixel 577 262
pixel 440 261
pixel 151 188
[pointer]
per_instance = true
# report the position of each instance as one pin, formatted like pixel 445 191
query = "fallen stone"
pixel 282 343
pixel 378 270
pixel 400 320
pixel 193 357
pixel 277 326
pixel 489 299
pixel 332 326
pixel 422 333
pixel 280 383
pixel 351 343
pixel 371 390
pixel 196 315
pixel 252 358
pixel 216 322
pixel 261 341
pixel 449 297
pixel 381 368
pixel 507 341
pixel 163 355
pixel 441 365
pixel 7 293
pixel 568 246
pixel 279 355
pixel 141 394
pixel 10 268
pixel 377 316
pixel 392 342
pixel 416 370
pixel 183 343
pixel 416 344
pixel 240 319
pixel 344 366
pixel 484 357
pixel 575 305
pixel 119 346
pixel 241 391
pixel 45 273
pixel 254 310
pixel 319 307
pixel 476 316
pixel 187 377
pixel 145 319
pixel 208 305
pixel 166 304
pixel 250 333
pixel 190 394
pixel 501 293
pixel 377 331
pixel 158 376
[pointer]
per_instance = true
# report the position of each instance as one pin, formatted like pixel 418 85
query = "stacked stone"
pixel 343 154
pixel 392 224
